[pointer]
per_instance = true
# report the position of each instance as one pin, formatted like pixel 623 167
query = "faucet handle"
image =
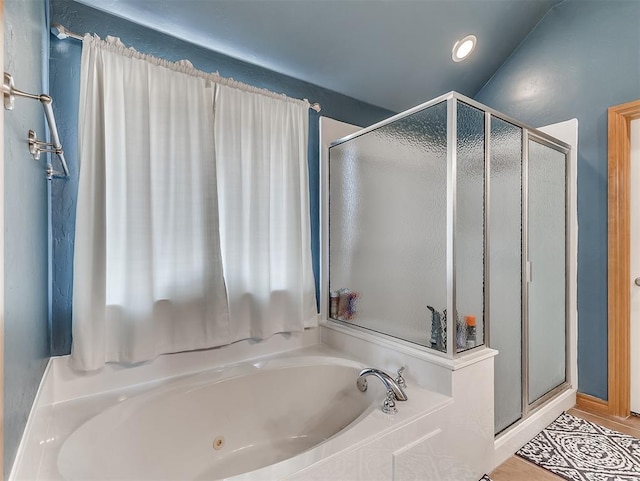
pixel 389 405
pixel 400 380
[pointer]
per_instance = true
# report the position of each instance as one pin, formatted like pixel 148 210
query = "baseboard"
pixel 591 404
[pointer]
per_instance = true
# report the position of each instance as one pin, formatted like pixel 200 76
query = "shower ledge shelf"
pixel 404 347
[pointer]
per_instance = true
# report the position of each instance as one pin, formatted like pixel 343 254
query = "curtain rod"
pixel 61 32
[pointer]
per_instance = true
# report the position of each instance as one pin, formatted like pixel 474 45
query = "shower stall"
pixel 448 231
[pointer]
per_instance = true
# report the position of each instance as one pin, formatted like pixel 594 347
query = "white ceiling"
pixel 390 53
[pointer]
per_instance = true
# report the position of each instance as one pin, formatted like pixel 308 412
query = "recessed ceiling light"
pixel 463 48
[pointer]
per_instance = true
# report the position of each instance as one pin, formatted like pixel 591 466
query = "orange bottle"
pixel 470 321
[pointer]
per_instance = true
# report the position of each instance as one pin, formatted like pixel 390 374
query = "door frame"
pixel 1 251
pixel 619 292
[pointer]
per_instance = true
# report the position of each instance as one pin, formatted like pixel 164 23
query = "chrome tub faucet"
pixel 394 387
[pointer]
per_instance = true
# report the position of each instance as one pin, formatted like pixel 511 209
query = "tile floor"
pixel 517 469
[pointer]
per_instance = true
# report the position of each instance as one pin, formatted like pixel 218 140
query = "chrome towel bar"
pixel 10 92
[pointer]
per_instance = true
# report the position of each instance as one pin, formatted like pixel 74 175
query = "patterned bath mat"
pixel 485 478
pixel 579 450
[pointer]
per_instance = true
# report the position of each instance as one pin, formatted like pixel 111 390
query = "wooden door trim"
pixel 591 404
pixel 619 310
pixel 2 460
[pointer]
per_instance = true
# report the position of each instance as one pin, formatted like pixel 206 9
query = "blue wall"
pixel 582 58
pixel 25 224
pixel 65 84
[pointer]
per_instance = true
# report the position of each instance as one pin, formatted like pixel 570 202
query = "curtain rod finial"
pixel 59 31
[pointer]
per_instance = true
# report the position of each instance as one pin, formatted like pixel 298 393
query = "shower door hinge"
pixel 528 272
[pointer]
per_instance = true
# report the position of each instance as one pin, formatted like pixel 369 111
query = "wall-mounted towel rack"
pixel 36 147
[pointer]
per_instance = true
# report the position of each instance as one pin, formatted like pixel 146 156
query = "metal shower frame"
pixel 528 134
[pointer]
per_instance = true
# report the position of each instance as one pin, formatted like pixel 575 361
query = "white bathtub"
pixel 257 415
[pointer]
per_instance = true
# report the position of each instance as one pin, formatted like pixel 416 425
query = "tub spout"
pixel 389 383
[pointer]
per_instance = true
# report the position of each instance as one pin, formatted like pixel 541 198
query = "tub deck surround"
pixel 455 443
pixel 443 432
pixel 467 379
pixel 61 431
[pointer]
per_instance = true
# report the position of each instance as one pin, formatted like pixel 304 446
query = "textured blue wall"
pixel 582 58
pixel 25 226
pixel 65 82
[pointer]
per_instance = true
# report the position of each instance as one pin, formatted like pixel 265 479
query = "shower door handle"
pixel 637 281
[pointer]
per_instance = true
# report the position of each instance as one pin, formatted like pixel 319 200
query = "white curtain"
pixel 164 151
pixel 263 188
pixel 148 273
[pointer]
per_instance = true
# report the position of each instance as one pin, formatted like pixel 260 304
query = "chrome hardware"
pixel 400 380
pixel 33 145
pixel 637 281
pixel 389 404
pixel 392 387
pixel 36 147
pixel 8 86
pixel 10 93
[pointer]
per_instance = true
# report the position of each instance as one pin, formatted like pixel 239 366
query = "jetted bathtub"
pixel 247 418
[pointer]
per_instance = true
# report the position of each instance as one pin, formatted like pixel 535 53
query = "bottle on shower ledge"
pixel 333 306
pixel 470 321
pixel 346 304
pixel 438 329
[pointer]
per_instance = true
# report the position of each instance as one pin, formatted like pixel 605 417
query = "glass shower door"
pixel 528 299
pixel 546 212
pixel 505 292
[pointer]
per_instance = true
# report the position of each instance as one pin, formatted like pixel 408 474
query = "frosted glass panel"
pixel 387 226
pixel 469 228
pixel 547 308
pixel 505 294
